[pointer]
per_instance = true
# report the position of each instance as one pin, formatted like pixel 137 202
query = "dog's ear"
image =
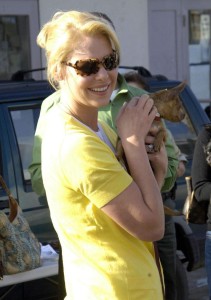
pixel 169 104
pixel 179 88
pixel 168 94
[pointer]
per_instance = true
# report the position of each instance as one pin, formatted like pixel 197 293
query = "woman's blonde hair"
pixel 59 37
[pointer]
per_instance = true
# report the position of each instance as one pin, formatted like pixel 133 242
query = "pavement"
pixel 198 288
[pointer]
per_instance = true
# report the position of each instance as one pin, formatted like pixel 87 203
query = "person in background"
pixel 167 247
pixel 106 219
pixel 135 79
pixel 181 157
pixel 201 181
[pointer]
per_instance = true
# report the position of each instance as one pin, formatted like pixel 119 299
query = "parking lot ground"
pixel 198 287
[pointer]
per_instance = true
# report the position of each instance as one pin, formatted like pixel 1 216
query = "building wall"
pixel 129 18
pixel 152 33
pixel 16 47
pixel 172 51
pixel 166 38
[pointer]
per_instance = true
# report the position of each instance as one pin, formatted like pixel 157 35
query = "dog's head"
pixel 169 104
pixel 207 151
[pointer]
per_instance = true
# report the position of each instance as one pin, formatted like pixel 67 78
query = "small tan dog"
pixel 169 107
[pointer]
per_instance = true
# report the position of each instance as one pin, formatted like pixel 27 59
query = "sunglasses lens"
pixel 110 62
pixel 87 67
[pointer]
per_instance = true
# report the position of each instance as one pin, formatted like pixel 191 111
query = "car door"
pixel 17 128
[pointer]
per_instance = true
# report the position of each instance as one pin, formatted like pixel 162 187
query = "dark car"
pixel 20 104
pixel 19 111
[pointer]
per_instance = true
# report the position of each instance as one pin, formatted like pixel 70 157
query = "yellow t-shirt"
pixel 81 174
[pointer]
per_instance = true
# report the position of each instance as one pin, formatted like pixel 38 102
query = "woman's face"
pixel 93 90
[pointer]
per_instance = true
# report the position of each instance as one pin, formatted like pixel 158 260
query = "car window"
pixel 184 135
pixel 24 122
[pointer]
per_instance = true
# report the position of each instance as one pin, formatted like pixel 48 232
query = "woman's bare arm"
pixel 139 208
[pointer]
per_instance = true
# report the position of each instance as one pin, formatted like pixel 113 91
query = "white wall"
pixel 129 18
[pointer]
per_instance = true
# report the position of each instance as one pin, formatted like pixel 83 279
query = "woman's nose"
pixel 102 72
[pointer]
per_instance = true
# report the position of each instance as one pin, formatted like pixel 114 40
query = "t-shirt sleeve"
pixel 91 168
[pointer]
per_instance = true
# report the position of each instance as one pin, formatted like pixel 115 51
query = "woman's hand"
pixel 135 119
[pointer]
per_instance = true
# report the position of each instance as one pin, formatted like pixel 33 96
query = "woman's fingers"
pixel 135 117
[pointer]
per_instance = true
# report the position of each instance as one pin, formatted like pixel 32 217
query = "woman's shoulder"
pixel 50 101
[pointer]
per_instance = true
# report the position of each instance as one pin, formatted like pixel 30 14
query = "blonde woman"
pixel 106 219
